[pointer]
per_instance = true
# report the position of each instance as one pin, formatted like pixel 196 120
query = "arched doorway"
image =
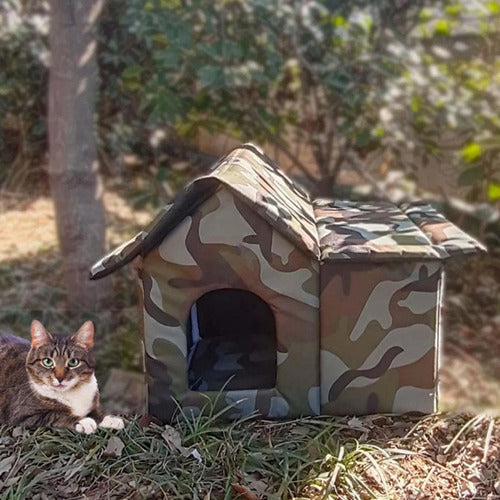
pixel 231 342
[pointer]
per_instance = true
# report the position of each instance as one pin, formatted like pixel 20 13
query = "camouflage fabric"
pixel 251 176
pixel 328 230
pixel 225 245
pixel 448 240
pixel 373 231
pixel 120 256
pixel 222 364
pixel 379 351
pixel 354 288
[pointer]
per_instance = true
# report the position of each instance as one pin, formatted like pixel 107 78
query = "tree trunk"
pixel 324 187
pixel 73 168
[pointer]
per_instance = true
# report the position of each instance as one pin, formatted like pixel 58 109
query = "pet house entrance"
pixel 231 342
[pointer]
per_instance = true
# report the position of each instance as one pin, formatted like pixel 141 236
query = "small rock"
pixel 124 392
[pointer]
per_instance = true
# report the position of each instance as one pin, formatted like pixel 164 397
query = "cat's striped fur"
pixel 58 395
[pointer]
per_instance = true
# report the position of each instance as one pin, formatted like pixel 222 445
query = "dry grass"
pixel 451 455
pixel 441 457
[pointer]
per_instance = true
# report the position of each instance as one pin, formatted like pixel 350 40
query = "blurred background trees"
pixel 360 85
pixel 345 95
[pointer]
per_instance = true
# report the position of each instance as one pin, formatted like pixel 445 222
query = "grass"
pixel 449 455
pixel 314 458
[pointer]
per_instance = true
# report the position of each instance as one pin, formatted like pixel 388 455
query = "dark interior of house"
pixel 231 342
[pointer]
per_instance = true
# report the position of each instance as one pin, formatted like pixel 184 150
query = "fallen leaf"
pixel 18 432
pixel 255 485
pixel 114 448
pixel 380 420
pixel 497 487
pixel 11 481
pixel 173 439
pixel 244 492
pixel 355 423
pixel 6 464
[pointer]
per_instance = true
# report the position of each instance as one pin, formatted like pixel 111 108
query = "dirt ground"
pixel 28 225
pixel 455 455
pixel 470 374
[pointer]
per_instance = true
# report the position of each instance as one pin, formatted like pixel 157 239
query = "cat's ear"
pixel 85 335
pixel 39 335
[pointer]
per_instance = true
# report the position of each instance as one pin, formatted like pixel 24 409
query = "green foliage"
pixel 471 152
pixel 23 80
pixel 260 70
pixel 344 78
pixel 418 80
pixel 494 191
pixel 205 458
pixel 452 72
pixel 198 458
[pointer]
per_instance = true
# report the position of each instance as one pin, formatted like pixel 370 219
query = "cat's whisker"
pixel 51 382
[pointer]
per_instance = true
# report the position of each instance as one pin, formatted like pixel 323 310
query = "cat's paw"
pixel 111 422
pixel 87 425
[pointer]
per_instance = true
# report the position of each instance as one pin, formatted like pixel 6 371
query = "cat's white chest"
pixel 80 400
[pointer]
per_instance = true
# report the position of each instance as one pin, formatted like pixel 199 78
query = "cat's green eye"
pixel 73 363
pixel 47 362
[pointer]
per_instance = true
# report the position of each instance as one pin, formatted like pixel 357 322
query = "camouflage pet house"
pixel 265 300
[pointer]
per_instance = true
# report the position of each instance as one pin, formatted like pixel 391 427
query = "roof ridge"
pixel 328 229
pixel 291 219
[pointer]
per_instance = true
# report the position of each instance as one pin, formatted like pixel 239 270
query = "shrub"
pixel 23 90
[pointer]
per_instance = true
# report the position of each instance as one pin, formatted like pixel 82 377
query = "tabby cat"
pixel 51 383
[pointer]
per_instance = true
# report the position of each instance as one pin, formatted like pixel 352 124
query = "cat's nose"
pixel 59 378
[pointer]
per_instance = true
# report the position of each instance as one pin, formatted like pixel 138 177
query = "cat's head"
pixel 61 362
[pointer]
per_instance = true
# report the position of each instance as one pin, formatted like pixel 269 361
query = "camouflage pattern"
pixel 328 230
pixel 251 176
pixel 354 287
pixel 448 240
pixel 225 244
pixel 218 364
pixel 254 177
pixel 129 250
pixel 368 231
pixel 379 336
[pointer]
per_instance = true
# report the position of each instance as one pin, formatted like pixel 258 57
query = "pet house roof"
pixel 327 229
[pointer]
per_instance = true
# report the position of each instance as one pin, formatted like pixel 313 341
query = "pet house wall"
pixel 224 245
pixel 263 300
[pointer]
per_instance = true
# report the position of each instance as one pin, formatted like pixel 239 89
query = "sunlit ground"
pixel 454 455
